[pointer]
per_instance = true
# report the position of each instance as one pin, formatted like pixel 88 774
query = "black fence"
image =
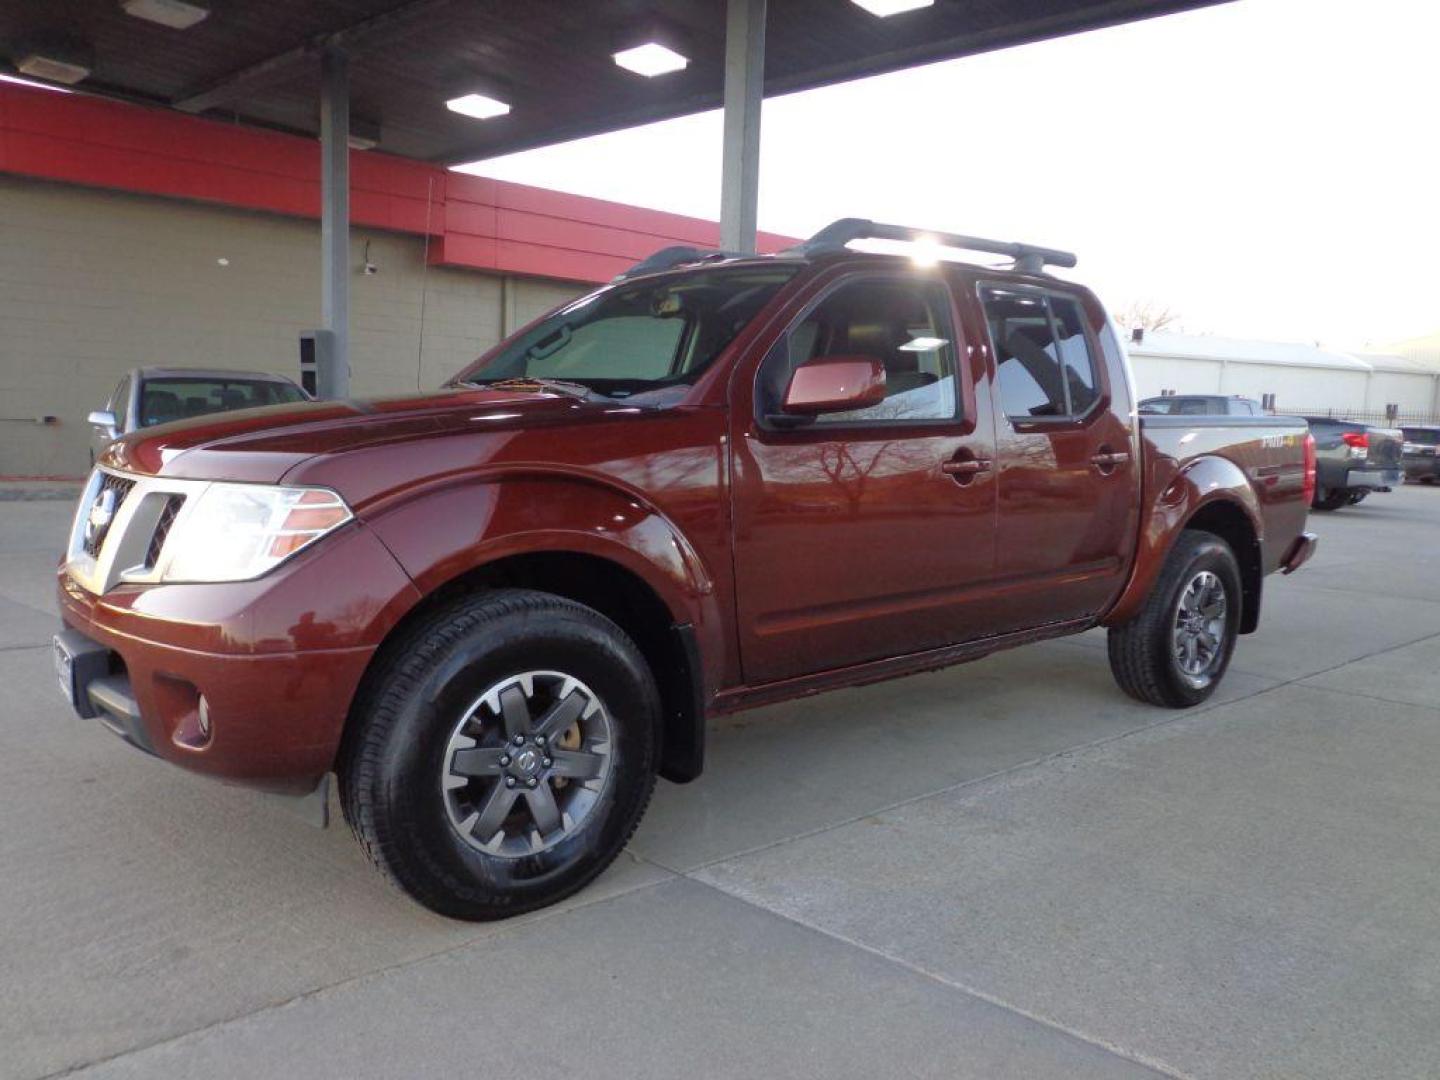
pixel 1380 418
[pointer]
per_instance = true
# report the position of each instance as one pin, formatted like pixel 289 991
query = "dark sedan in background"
pixel 1421 460
pixel 1353 460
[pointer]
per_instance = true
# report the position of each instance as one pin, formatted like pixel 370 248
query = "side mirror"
pixel 831 384
pixel 103 418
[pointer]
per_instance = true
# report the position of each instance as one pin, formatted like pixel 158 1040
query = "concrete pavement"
pixel 1003 869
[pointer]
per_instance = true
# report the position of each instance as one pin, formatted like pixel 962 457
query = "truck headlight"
pixel 235 532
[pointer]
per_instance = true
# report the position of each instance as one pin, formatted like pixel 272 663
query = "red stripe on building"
pixel 475 222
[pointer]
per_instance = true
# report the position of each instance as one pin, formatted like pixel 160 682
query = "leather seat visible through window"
pixel 160 407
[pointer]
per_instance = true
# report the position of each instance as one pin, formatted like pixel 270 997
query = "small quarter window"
pixel 1076 362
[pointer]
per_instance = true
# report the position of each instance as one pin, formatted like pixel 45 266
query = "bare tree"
pixel 1147 315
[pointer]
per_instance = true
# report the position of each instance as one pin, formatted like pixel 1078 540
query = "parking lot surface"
pixel 1007 868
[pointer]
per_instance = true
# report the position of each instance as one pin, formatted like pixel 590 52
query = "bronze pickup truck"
pixel 498 611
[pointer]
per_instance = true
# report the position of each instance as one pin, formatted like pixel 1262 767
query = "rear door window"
pixel 1044 364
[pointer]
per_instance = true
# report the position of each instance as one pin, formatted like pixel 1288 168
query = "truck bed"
pixel 1268 450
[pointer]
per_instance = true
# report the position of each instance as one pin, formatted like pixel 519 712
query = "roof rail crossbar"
pixel 1028 258
pixel 671 257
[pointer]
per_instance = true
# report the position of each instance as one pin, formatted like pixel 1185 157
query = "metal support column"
pixel 333 348
pixel 744 92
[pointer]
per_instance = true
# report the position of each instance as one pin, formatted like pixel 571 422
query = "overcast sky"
pixel 1267 168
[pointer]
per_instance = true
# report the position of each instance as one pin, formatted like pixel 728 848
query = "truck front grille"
pixel 122 525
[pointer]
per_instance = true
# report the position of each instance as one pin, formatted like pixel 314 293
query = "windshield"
pixel 641 337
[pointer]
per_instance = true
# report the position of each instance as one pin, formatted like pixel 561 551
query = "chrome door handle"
pixel 1108 459
pixel 967 468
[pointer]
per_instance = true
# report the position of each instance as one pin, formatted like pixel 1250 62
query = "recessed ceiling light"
pixel 477 105
pixel 52 68
pixel 36 85
pixel 176 14
pixel 886 8
pixel 651 59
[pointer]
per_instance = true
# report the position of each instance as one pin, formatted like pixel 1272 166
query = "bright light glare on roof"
pixel 37 85
pixel 926 252
pixel 477 105
pixel 651 59
pixel 921 252
pixel 886 8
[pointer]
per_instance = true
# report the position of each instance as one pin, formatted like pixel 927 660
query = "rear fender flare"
pixel 1202 483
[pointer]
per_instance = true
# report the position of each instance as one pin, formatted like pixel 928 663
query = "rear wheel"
pixel 1175 651
pixel 1357 497
pixel 1330 498
pixel 503 754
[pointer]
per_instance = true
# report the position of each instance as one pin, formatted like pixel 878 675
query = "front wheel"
pixel 1175 651
pixel 502 754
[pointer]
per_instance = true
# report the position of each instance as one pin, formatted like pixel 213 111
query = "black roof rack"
pixel 670 257
pixel 1028 258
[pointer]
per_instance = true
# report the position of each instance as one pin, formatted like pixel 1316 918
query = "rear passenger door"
pixel 1068 484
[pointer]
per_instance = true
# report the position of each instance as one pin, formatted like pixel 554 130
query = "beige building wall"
pixel 93 283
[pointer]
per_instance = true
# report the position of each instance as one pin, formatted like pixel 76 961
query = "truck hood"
pixel 262 445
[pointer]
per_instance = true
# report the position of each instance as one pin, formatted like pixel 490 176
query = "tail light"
pixel 1357 441
pixel 1310 468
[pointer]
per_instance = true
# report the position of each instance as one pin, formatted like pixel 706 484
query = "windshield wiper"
pixel 533 385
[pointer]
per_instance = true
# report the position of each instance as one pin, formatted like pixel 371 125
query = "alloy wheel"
pixel 527 763
pixel 1198 637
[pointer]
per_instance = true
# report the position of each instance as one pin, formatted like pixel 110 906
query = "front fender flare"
pixel 441 533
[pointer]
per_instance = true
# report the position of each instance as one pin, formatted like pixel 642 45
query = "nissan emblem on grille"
pixel 102 512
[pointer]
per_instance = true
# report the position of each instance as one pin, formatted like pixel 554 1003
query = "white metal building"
pixel 1303 378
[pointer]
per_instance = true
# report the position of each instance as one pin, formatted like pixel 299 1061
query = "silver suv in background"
pixel 1201 405
pixel 153 395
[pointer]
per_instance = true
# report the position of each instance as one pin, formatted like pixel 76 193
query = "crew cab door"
pixel 866 534
pixel 1068 480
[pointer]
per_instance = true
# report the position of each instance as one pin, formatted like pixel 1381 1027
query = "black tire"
pixel 414 706
pixel 1357 497
pixel 1142 652
pixel 1330 499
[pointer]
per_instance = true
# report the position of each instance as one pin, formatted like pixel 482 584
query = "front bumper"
pixel 272 664
pixel 97 690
